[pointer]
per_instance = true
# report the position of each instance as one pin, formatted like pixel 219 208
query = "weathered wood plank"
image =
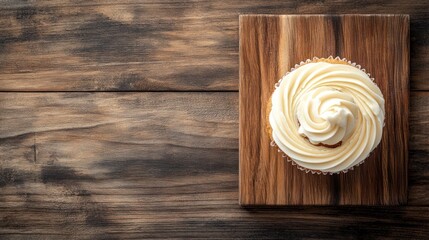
pixel 116 165
pixel 213 219
pixel 419 120
pixel 154 45
pixel 418 181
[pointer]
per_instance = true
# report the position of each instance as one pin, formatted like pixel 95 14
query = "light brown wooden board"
pixel 135 165
pixel 130 45
pixel 269 46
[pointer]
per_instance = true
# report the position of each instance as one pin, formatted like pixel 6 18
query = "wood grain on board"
pixel 155 45
pixel 269 47
pixel 134 165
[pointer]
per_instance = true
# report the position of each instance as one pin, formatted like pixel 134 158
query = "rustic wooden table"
pixel 119 119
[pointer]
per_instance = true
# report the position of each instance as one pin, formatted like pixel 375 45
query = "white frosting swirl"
pixel 320 104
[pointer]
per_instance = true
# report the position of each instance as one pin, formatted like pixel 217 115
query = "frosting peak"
pixel 323 103
pixel 326 115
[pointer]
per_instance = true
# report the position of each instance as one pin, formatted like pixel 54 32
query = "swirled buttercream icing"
pixel 327 116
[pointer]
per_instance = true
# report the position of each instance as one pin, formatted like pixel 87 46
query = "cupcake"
pixel 326 115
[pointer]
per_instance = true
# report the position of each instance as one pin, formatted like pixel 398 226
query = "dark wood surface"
pixel 270 45
pixel 160 165
pixel 126 45
pixel 152 164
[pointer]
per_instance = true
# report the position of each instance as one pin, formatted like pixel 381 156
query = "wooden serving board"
pixel 269 46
